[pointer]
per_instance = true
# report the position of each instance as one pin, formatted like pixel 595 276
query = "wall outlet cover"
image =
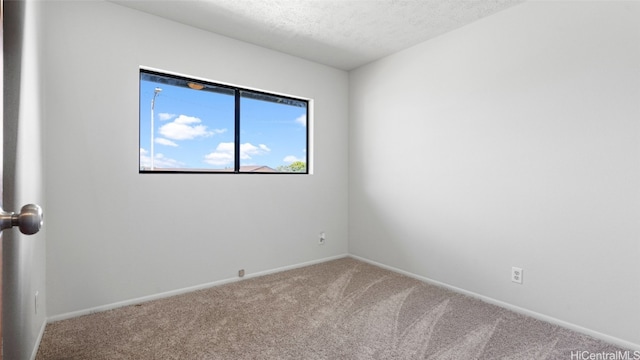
pixel 516 275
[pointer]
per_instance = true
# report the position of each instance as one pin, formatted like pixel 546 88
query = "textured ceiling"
pixel 340 33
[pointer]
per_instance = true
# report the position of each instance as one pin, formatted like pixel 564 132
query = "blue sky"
pixel 195 130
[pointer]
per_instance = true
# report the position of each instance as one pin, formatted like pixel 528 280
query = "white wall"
pixel 509 142
pixel 115 235
pixel 513 141
pixel 24 269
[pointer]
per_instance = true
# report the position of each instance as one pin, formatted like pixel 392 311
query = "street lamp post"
pixel 153 102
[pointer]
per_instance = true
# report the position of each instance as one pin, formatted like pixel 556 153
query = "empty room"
pixel 322 179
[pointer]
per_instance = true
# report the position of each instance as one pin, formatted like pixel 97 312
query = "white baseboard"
pixel 533 314
pixel 144 299
pixel 34 353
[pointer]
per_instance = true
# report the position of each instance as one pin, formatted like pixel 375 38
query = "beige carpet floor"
pixel 342 309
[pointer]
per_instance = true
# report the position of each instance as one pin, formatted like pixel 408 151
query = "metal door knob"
pixel 29 220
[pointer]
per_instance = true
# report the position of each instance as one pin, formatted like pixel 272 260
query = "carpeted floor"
pixel 342 309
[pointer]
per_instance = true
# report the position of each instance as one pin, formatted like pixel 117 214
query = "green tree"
pixel 296 166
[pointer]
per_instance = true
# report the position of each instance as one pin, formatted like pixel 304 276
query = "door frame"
pixel 1 159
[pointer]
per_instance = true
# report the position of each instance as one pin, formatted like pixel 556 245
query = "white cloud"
pixel 186 128
pixel 166 116
pixel 224 153
pixel 302 120
pixel 247 150
pixel 219 158
pixel 163 141
pixel 160 161
pixel 291 159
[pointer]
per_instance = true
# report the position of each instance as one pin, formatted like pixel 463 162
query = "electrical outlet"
pixel 516 275
pixel 241 273
pixel 322 237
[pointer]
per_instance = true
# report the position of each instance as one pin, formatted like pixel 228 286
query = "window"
pixel 189 126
